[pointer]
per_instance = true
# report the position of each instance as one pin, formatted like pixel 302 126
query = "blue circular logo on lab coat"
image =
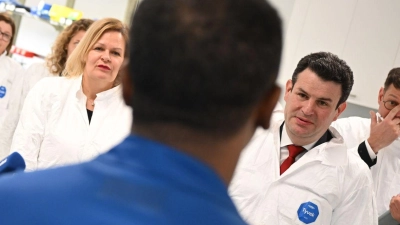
pixel 308 212
pixel 3 91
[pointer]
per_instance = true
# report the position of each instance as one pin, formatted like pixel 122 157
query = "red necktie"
pixel 294 151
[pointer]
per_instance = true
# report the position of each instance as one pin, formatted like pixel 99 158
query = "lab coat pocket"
pixel 4 97
pixel 4 102
pixel 303 207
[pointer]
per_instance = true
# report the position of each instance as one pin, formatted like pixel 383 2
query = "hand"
pixel 383 133
pixel 395 207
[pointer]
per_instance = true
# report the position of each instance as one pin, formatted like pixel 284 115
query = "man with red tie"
pixel 300 171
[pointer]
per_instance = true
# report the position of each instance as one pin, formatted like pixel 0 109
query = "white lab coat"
pixel 386 172
pixel 335 180
pixel 34 73
pixel 11 81
pixel 54 127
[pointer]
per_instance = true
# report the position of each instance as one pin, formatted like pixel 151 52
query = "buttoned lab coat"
pixel 334 182
pixel 11 81
pixel 386 171
pixel 54 127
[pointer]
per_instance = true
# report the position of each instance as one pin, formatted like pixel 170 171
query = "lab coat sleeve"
pixel 355 131
pixel 365 156
pixel 13 114
pixel 358 207
pixel 31 126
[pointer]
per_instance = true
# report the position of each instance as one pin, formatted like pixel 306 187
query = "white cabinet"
pixel 371 47
pixel 366 34
pixel 315 26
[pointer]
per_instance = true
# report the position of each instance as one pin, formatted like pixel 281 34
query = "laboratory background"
pixel 364 33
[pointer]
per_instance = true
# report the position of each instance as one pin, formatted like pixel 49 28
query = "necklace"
pixel 91 102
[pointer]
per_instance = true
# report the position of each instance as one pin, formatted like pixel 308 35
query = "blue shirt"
pixel 137 182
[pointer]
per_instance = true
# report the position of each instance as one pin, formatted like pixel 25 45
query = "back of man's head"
pixel 202 64
pixel 328 67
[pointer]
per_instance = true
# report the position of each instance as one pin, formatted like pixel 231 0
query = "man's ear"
pixel 127 86
pixel 288 88
pixel 267 106
pixel 380 95
pixel 340 109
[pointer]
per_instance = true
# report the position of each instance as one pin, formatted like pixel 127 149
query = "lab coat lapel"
pixel 80 99
pixel 332 153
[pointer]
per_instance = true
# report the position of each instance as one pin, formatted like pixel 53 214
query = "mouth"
pixel 104 67
pixel 303 120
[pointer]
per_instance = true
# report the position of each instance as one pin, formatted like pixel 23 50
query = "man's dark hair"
pixel 203 63
pixel 393 78
pixel 328 67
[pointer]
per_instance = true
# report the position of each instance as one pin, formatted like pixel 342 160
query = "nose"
pixel 398 115
pixel 105 56
pixel 308 108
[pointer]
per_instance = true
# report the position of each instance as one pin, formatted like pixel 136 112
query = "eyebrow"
pixel 320 99
pixel 98 43
pixel 394 96
pixel 5 32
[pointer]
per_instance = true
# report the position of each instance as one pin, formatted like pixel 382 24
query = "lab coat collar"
pixel 285 140
pixel 332 153
pixel 102 96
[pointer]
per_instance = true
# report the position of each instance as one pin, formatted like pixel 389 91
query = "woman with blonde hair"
pixel 62 48
pixel 74 118
pixel 11 82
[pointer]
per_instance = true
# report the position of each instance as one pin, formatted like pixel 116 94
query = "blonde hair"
pixel 55 62
pixel 77 60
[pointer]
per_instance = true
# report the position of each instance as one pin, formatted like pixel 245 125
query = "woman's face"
pixel 74 41
pixel 105 58
pixel 5 36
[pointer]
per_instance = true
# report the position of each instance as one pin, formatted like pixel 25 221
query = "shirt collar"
pixel 285 141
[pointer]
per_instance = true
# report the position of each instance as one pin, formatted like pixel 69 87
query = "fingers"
pixel 396 125
pixel 373 117
pixel 393 112
pixel 396 121
pixel 395 203
pixel 394 207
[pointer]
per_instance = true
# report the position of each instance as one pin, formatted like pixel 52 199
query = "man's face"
pixel 311 107
pixel 387 100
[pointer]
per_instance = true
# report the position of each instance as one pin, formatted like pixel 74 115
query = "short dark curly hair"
pixel 203 63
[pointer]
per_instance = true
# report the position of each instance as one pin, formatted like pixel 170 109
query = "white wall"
pixel 364 33
pixel 285 10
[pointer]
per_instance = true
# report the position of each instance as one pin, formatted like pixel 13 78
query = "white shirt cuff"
pixel 371 153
